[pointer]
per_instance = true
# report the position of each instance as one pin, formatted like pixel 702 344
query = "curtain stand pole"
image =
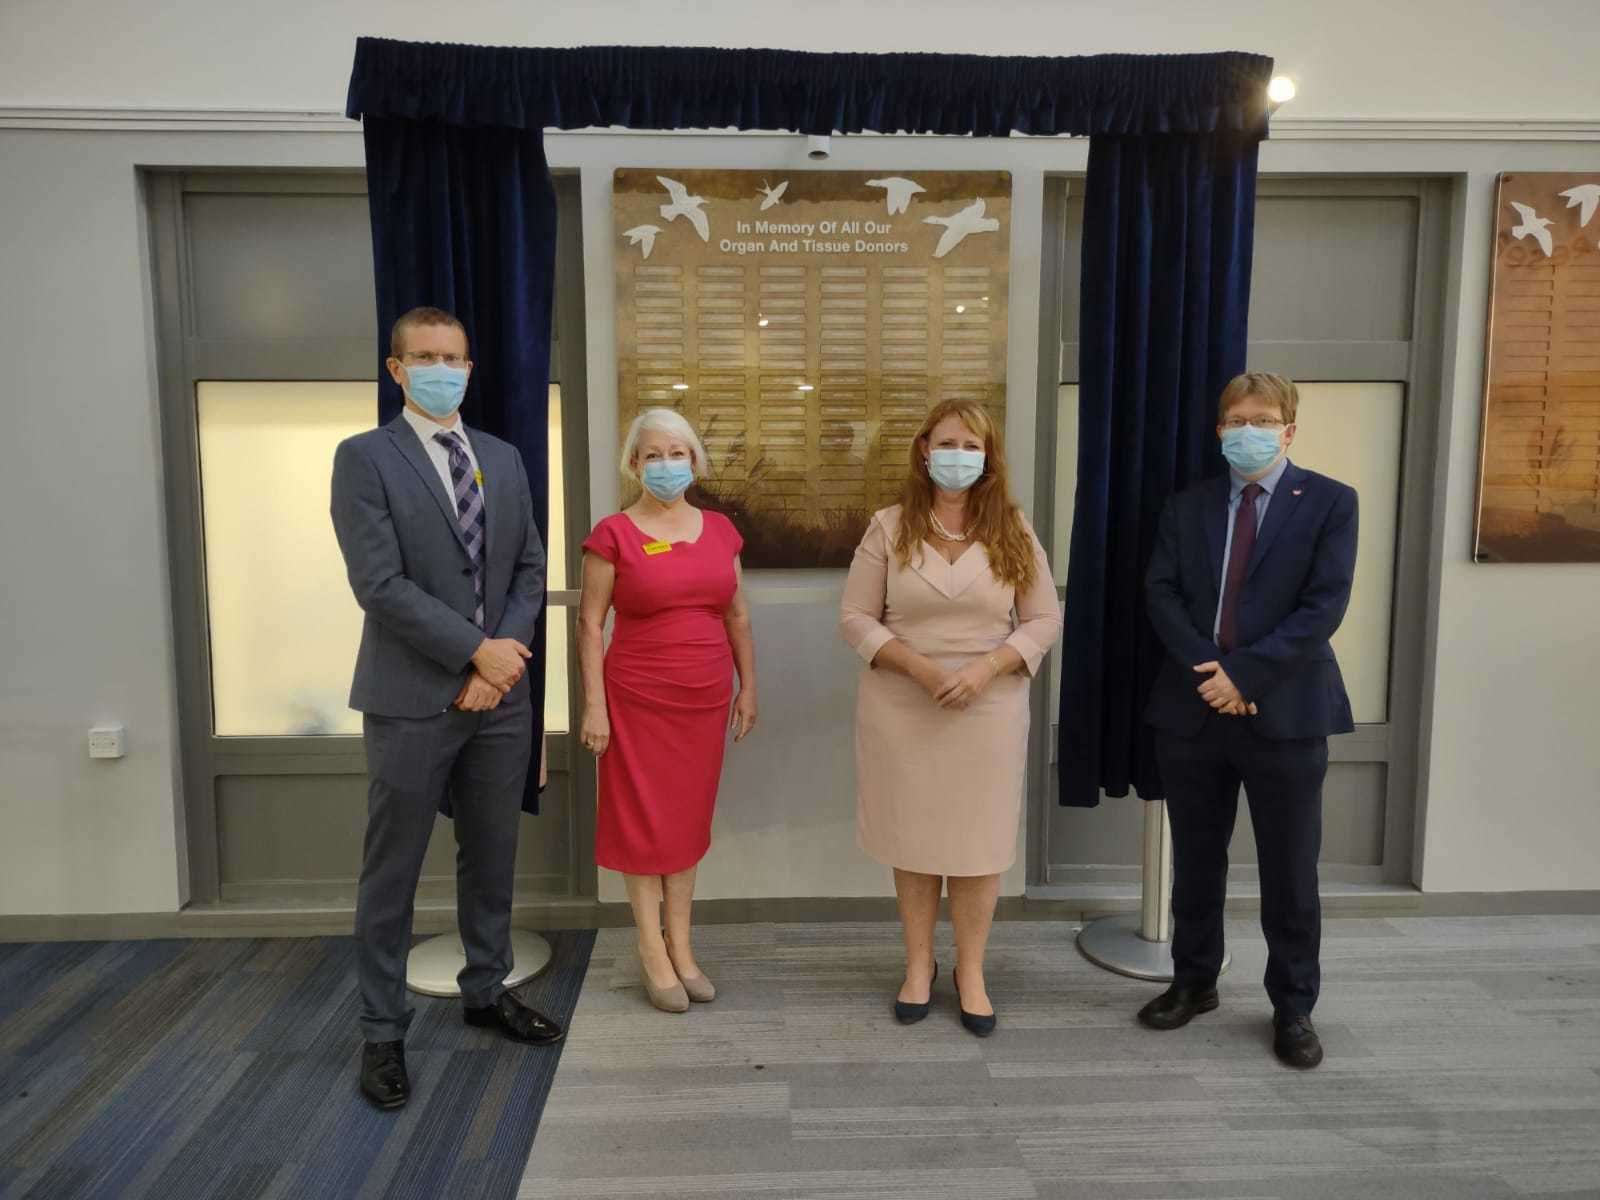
pixel 433 964
pixel 1140 944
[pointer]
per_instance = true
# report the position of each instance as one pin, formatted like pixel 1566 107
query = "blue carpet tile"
pixel 227 1070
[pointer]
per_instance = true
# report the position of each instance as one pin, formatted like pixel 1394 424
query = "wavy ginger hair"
pixel 992 515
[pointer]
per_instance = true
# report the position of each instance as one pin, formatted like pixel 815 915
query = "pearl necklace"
pixel 938 527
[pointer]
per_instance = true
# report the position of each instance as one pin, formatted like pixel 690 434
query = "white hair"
pixel 672 423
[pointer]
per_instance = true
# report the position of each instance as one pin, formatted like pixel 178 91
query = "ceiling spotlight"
pixel 805 387
pixel 680 387
pixel 961 308
pixel 1281 90
pixel 762 322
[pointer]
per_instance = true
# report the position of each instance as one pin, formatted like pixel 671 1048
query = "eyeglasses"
pixel 1254 423
pixel 427 358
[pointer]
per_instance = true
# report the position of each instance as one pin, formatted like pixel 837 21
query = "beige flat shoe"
pixel 700 989
pixel 673 999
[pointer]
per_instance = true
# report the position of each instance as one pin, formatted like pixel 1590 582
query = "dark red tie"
pixel 1244 544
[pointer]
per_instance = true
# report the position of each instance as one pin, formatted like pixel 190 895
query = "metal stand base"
pixel 433 965
pixel 1116 944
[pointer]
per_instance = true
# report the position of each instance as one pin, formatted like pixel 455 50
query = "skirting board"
pixel 219 921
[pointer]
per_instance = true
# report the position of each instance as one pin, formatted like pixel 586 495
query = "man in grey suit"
pixel 436 526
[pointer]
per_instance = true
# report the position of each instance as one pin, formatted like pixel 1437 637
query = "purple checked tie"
pixel 469 508
pixel 1244 544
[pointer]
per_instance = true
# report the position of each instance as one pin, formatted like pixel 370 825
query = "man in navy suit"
pixel 1249 579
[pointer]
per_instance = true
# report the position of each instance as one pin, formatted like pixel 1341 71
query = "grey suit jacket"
pixel 411 574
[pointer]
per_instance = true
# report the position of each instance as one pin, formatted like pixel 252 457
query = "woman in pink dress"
pixel 951 604
pixel 657 702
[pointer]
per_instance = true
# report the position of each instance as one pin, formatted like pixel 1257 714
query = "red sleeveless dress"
pixel 669 692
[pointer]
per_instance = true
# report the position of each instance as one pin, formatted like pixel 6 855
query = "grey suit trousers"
pixel 483 758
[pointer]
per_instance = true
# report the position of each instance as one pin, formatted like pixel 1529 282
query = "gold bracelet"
pixel 994 664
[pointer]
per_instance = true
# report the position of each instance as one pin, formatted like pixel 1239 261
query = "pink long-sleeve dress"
pixel 939 791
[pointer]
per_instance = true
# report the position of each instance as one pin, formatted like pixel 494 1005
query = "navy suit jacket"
pixel 1296 591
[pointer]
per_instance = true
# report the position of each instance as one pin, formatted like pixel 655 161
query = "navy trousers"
pixel 1283 781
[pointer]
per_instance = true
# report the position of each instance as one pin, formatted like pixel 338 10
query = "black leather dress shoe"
pixel 1296 1043
pixel 383 1074
pixel 910 1014
pixel 516 1020
pixel 1177 1006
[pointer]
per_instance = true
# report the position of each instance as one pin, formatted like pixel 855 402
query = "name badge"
pixel 657 547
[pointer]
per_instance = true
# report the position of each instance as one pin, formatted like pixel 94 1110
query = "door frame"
pixel 1418 365
pixel 183 359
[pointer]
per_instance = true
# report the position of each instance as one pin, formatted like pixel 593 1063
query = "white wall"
pixel 87 631
pixel 1361 58
pixel 1511 757
pixel 786 813
pixel 1514 788
pixel 1513 763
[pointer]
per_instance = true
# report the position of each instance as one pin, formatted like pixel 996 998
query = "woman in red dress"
pixel 657 702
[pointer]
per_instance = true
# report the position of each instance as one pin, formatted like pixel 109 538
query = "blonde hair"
pixel 1273 388
pixel 671 422
pixel 992 515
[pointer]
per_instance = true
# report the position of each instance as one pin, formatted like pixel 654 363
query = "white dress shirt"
pixel 439 454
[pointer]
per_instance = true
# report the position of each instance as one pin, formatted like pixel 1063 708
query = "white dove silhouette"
pixel 899 191
pixel 969 220
pixel 1534 226
pixel 644 235
pixel 685 205
pixel 771 195
pixel 1587 195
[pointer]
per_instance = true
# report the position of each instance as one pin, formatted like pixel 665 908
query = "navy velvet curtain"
pixel 463 216
pixel 1168 232
pixel 465 219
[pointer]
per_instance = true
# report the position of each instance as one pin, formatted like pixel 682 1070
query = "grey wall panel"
pixel 1337 264
pixel 1334 268
pixel 1330 293
pixel 1352 817
pixel 279 267
pixel 1352 825
pixel 307 829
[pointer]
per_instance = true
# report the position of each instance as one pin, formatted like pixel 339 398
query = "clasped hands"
pixel 497 665
pixel 957 689
pixel 1221 694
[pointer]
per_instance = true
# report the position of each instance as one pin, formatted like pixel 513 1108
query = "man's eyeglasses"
pixel 427 358
pixel 1254 423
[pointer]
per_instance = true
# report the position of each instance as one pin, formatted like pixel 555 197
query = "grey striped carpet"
pixel 1463 1064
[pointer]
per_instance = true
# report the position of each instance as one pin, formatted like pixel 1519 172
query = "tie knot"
pixel 1251 491
pixel 451 441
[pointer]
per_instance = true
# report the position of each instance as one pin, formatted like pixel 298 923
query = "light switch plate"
pixel 107 741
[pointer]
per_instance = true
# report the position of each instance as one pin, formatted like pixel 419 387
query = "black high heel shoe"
pixel 910 1014
pixel 974 1024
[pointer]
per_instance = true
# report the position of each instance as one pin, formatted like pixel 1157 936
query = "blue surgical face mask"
pixel 955 470
pixel 667 478
pixel 436 388
pixel 1250 450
